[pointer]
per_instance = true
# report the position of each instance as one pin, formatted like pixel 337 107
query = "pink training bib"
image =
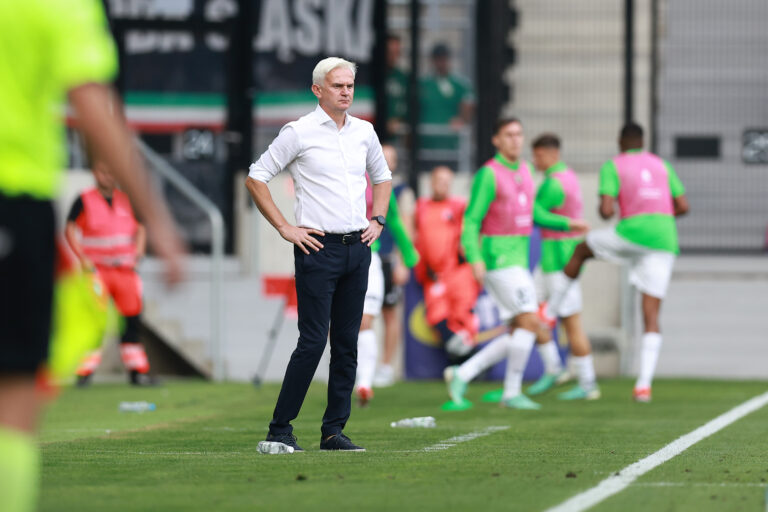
pixel 643 185
pixel 511 212
pixel 573 207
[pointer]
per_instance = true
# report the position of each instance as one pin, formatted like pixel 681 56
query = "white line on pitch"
pixel 697 484
pixel 450 443
pixel 618 482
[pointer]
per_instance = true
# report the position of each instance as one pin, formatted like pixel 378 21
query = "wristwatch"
pixel 380 219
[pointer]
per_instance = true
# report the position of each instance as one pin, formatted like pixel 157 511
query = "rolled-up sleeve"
pixel 283 150
pixel 375 162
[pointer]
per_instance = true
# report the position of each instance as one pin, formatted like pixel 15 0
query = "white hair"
pixel 327 65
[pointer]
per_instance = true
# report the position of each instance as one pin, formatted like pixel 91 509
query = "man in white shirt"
pixel 327 153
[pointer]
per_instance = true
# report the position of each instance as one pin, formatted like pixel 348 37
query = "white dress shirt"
pixel 328 167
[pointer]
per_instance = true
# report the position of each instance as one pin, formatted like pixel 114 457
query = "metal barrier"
pixel 172 176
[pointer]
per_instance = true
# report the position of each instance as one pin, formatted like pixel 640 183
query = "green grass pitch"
pixel 197 451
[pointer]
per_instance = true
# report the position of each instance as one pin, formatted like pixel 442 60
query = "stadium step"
pixel 181 319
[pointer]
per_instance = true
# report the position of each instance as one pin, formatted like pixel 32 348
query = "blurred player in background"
pixel 48 50
pixel 396 274
pixel 450 289
pixel 650 196
pixel 367 345
pixel 105 236
pixel 559 201
pixel 496 240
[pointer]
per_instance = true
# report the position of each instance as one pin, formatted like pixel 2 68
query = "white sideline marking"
pixel 450 443
pixel 618 482
pixel 697 484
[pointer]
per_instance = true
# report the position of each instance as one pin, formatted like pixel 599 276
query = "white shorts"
pixel 548 282
pixel 649 270
pixel 374 296
pixel 513 291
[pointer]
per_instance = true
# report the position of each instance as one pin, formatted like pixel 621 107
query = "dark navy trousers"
pixel 330 287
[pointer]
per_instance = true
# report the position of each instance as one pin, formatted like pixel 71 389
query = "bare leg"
pixel 392 332
pixel 581 356
pixel 651 307
pixel 577 338
pixel 19 403
pixel 581 254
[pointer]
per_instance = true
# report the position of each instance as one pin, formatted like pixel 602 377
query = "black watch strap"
pixel 380 219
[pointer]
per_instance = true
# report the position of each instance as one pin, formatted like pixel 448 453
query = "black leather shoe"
pixel 340 442
pixel 286 439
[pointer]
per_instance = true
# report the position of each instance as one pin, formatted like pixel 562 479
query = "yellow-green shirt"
pixel 47 47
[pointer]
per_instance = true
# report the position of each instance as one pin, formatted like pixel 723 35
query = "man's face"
pixel 509 141
pixel 442 64
pixel 544 158
pixel 104 179
pixel 337 90
pixel 393 52
pixel 441 181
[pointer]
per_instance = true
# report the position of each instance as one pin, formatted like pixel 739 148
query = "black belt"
pixel 346 239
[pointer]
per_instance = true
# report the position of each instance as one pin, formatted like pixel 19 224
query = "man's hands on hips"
pixel 371 233
pixel 302 237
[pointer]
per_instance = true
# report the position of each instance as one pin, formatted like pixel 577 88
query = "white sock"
pixel 585 371
pixel 550 357
pixel 520 346
pixel 491 354
pixel 649 354
pixel 367 354
pixel 557 296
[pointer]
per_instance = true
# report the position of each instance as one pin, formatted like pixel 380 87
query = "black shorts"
pixel 392 292
pixel 27 249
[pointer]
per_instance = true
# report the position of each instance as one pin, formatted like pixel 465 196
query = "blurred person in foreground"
pixel 107 239
pixel 559 200
pixel 367 345
pixel 650 196
pixel 496 240
pixel 50 51
pixel 450 290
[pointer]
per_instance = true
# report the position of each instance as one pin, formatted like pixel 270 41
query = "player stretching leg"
pixel 650 196
pixel 496 237
pixel 559 200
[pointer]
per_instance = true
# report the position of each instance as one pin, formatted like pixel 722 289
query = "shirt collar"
pixel 322 117
pixel 634 151
pixel 506 163
pixel 559 166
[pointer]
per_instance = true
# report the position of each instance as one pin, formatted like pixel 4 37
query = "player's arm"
pixel 402 240
pixel 482 194
pixel 99 120
pixel 608 189
pixel 677 190
pixel 381 179
pixel 549 197
pixel 141 241
pixel 72 234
